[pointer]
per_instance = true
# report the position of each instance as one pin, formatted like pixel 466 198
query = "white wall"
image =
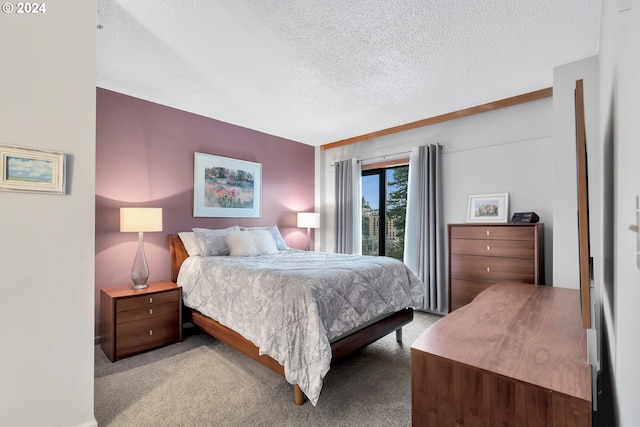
pixel 47 100
pixel 620 139
pixel 503 151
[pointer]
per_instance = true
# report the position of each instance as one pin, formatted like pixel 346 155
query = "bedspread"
pixel 292 304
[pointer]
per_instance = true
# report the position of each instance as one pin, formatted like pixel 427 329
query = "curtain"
pixel 348 192
pixel 424 231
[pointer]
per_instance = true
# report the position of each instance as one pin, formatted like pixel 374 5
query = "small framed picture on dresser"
pixel 488 208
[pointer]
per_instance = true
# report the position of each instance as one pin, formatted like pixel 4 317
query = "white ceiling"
pixel 318 71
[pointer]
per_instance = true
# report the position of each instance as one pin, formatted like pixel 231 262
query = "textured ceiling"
pixel 318 71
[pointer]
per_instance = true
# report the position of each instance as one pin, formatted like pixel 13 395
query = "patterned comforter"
pixel 292 304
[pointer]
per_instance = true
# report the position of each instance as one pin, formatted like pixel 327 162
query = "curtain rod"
pixel 392 156
pixel 381 157
pixel 385 156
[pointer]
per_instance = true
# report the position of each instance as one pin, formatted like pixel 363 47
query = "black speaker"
pixel 525 218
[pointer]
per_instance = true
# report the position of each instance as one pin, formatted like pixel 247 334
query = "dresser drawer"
pixel 147 300
pixel 464 291
pixel 493 232
pixel 134 337
pixel 150 312
pixel 491 269
pixel 500 248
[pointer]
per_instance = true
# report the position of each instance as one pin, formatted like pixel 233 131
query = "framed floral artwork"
pixel 225 187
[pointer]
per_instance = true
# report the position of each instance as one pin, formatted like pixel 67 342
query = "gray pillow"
pixel 213 242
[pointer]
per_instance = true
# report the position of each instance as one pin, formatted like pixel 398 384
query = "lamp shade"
pixel 308 220
pixel 140 219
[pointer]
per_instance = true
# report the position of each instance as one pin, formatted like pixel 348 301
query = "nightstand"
pixel 134 321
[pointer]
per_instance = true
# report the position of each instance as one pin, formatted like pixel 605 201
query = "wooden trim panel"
pixel 495 105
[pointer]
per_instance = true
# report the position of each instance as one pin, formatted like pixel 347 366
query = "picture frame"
pixel 488 208
pixel 226 187
pixel 32 170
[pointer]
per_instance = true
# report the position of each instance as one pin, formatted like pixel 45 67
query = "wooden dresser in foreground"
pixel 483 254
pixel 515 356
pixel 134 321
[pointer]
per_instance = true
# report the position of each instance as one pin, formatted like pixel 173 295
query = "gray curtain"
pixel 424 230
pixel 348 201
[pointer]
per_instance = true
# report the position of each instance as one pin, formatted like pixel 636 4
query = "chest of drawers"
pixel 483 254
pixel 134 321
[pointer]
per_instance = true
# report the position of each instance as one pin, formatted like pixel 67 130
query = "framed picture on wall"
pixel 32 170
pixel 488 208
pixel 225 187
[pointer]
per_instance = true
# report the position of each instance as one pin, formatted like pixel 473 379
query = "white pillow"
pixel 251 243
pixel 190 242
pixel 212 242
pixel 275 232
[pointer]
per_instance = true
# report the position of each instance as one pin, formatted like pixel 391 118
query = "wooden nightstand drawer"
pixel 134 337
pixel 147 300
pixel 134 321
pixel 491 269
pixel 501 248
pixel 152 312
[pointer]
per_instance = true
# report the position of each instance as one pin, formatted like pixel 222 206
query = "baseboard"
pixel 93 423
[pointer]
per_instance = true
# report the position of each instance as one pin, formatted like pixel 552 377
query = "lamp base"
pixel 140 270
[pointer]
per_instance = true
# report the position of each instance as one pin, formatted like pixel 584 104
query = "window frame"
pixel 380 169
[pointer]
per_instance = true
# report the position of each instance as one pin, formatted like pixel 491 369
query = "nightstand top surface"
pixel 126 291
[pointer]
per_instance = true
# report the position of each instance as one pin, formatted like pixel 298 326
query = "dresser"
pixel 515 356
pixel 134 321
pixel 483 254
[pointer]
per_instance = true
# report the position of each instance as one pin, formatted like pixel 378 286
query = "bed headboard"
pixel 178 254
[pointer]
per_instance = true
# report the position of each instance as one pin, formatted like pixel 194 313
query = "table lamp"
pixel 308 220
pixel 140 220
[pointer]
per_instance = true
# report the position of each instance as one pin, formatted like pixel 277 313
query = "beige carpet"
pixel 203 382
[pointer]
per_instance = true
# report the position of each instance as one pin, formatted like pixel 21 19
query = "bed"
pixel 306 344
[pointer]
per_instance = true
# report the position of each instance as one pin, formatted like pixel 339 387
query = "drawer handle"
pixel 151 311
pixel 488 247
pixel 150 300
pixel 488 269
pixel 150 331
pixel 488 232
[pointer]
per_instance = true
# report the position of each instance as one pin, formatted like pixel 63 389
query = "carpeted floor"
pixel 203 382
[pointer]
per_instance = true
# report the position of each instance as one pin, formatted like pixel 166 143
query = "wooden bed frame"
pixel 339 349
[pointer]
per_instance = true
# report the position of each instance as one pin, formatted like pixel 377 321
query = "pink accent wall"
pixel 144 157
